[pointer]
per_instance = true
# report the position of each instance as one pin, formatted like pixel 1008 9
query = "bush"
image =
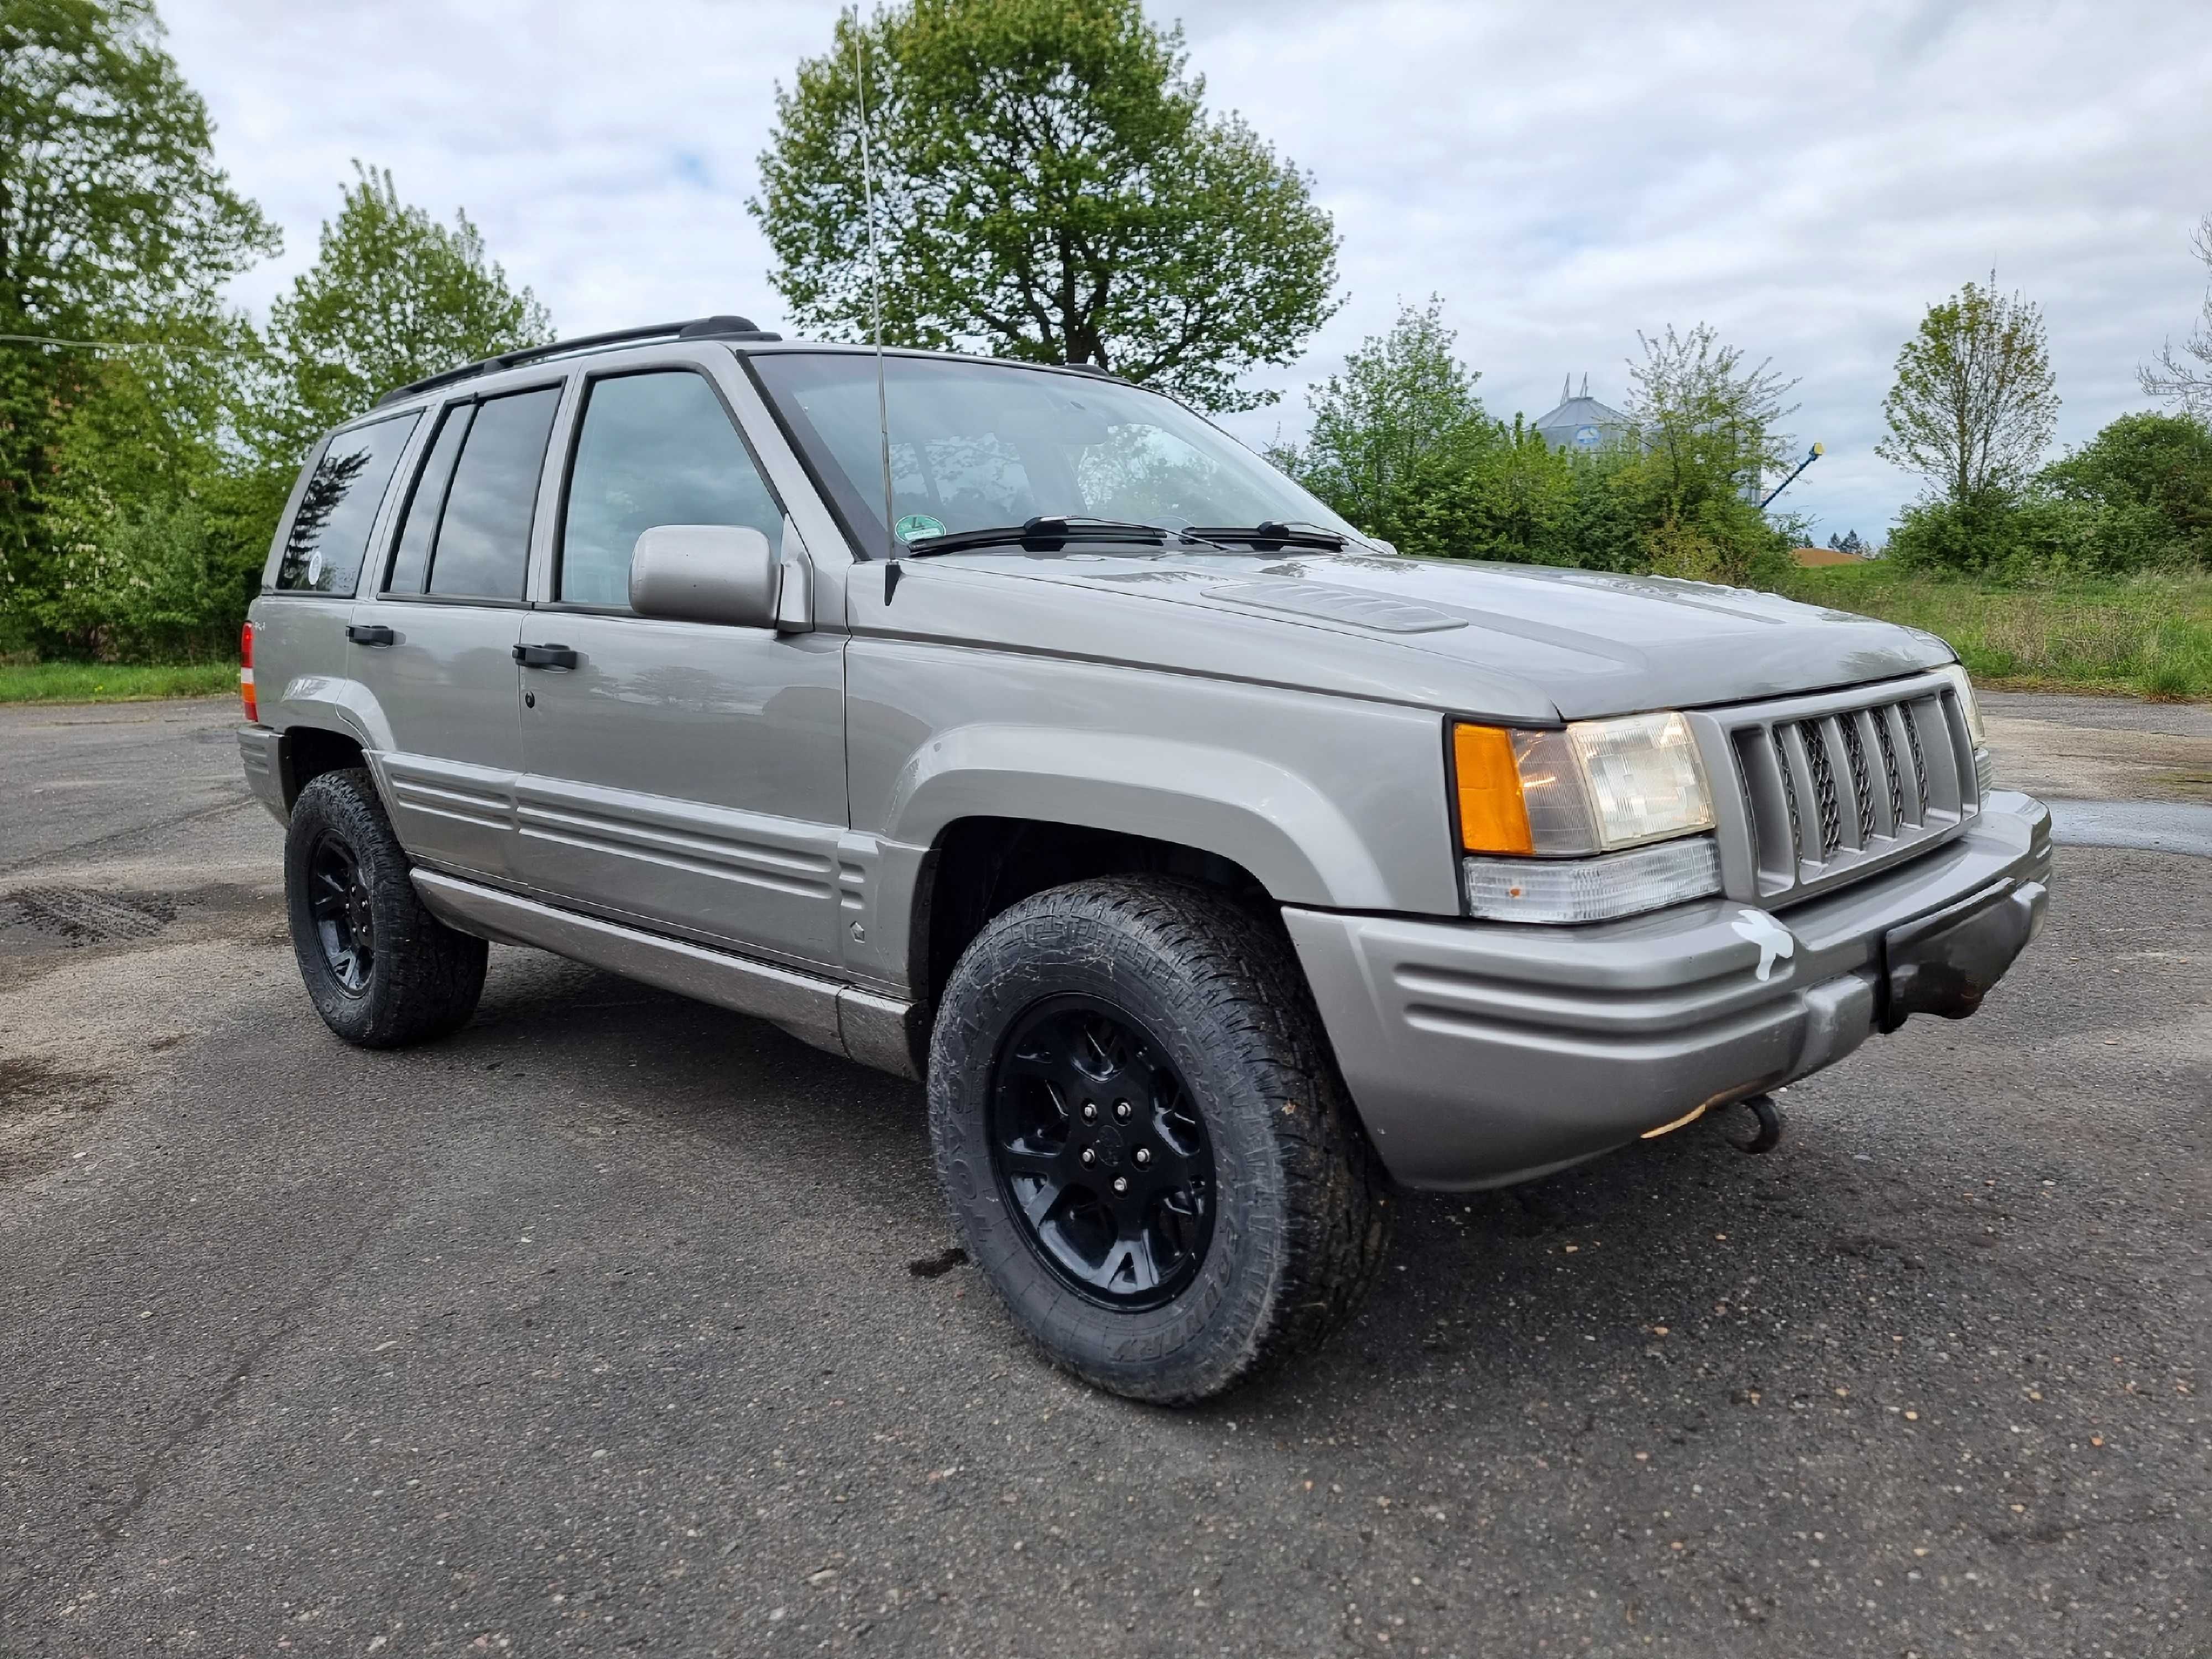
pixel 2036 535
pixel 2155 468
pixel 168 582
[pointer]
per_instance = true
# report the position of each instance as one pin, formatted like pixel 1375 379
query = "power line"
pixel 103 345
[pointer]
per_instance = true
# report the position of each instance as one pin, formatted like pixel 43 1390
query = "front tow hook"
pixel 1771 1125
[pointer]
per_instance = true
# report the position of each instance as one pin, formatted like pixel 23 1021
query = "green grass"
pixel 2145 637
pixel 102 682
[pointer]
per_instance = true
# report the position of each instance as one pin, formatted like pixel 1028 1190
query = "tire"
pixel 1261 1217
pixel 381 971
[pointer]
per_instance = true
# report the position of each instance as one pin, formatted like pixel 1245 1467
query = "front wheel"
pixel 381 970
pixel 1144 1141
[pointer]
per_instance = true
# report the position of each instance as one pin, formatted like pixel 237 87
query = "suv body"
pixel 813 818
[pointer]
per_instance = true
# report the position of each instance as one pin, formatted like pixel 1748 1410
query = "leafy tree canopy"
pixel 111 204
pixel 1048 186
pixel 115 224
pixel 392 296
pixel 2160 462
pixel 1403 407
pixel 1975 402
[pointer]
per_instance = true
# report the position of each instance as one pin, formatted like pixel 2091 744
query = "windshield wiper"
pixel 1274 533
pixel 1048 533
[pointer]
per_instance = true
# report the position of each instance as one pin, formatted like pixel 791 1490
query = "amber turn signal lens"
pixel 1492 817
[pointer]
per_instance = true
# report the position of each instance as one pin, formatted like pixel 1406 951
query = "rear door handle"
pixel 545 656
pixel 369 634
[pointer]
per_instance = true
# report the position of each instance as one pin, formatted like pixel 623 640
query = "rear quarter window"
pixel 328 537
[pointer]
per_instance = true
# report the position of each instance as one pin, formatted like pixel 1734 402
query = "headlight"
pixel 1596 787
pixel 1985 766
pixel 1956 673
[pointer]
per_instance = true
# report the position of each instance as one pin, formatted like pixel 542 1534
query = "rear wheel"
pixel 381 971
pixel 1144 1141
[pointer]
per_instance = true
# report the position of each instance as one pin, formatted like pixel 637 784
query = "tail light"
pixel 245 673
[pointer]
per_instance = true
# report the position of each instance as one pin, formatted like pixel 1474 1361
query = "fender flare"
pixel 1295 841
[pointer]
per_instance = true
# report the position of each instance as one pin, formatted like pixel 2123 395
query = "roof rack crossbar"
pixel 696 328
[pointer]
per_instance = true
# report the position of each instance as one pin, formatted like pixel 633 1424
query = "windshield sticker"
pixel 918 527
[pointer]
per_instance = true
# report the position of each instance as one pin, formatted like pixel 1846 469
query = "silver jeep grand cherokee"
pixel 1215 866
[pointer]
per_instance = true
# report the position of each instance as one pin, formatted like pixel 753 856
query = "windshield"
pixel 979 445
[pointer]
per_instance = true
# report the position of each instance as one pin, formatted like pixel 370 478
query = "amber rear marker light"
pixel 1492 817
pixel 246 674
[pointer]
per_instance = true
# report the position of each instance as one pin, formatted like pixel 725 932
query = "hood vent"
pixel 1338 605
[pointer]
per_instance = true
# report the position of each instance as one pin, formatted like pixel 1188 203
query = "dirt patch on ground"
pixel 76 916
pixel 2067 761
pixel 99 1026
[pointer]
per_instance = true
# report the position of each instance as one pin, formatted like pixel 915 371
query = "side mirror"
pixel 710 572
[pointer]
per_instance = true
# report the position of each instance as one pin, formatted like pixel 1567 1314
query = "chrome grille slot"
pixel 1788 793
pixel 1881 720
pixel 1824 786
pixel 1862 785
pixel 1836 785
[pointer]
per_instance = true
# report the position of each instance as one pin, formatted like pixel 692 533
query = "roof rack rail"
pixel 697 328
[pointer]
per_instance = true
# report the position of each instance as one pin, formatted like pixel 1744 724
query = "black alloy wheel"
pixel 1102 1153
pixel 381 970
pixel 337 900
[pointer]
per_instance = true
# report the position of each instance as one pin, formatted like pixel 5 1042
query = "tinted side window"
pixel 654 449
pixel 483 546
pixel 418 524
pixel 329 534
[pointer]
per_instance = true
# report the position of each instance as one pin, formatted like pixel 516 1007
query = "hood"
pixel 1498 639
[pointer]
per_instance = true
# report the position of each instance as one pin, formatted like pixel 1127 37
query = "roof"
pixel 1582 422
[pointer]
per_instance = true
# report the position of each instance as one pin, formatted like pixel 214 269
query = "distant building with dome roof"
pixel 1582 423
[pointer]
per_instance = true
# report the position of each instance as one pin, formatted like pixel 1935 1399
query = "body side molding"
pixel 811 1008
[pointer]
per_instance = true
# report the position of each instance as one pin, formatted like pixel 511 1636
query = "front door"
pixel 688 775
pixel 435 647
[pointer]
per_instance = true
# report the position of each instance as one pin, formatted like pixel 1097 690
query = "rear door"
pixel 689 774
pixel 435 647
pixel 314 566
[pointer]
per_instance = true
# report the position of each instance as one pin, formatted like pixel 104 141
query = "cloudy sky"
pixel 1805 178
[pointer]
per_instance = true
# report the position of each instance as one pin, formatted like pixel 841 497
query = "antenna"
pixel 875 285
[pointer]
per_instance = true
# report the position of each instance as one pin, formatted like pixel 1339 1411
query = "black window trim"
pixel 382 594
pixel 592 378
pixel 854 541
pixel 322 448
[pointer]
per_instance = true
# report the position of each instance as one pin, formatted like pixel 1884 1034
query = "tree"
pixel 1975 402
pixel 1706 427
pixel 1400 415
pixel 392 296
pixel 1849 542
pixel 115 224
pixel 2171 378
pixel 2153 464
pixel 1047 185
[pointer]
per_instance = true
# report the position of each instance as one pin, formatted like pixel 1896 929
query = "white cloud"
pixel 1806 179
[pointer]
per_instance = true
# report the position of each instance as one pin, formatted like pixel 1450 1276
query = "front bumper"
pixel 1482 1053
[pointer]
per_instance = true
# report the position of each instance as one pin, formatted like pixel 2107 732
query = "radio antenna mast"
pixel 875 284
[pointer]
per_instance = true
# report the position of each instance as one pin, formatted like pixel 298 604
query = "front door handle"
pixel 545 656
pixel 369 634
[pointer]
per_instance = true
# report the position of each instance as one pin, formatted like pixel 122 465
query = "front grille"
pixel 1819 811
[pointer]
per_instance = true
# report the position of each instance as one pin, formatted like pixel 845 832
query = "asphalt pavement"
pixel 619 1324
